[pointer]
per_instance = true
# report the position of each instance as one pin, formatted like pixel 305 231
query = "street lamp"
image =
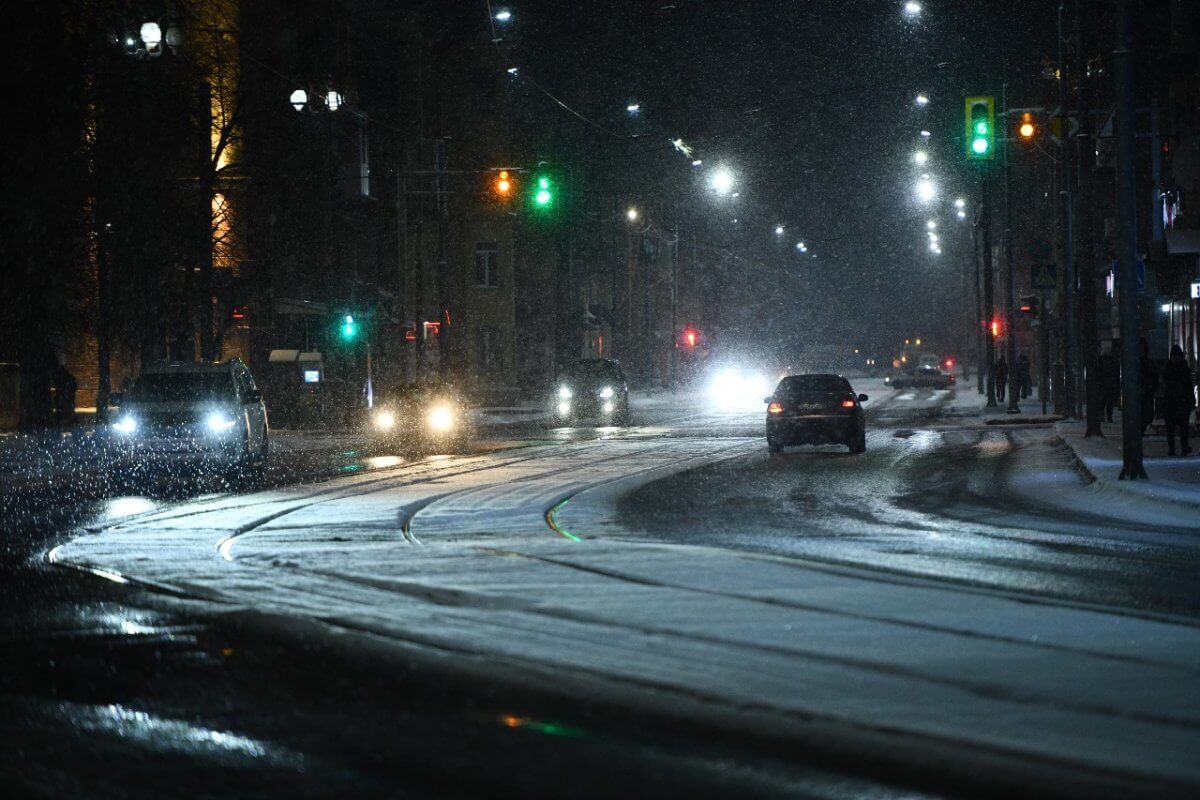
pixel 633 108
pixel 922 100
pixel 925 134
pixel 926 191
pixel 151 35
pixel 631 214
pixel 503 15
pixel 912 8
pixel 802 247
pixel 920 157
pixel 779 230
pixel 959 202
pixel 721 180
pixel 299 99
pixel 931 225
pixel 334 100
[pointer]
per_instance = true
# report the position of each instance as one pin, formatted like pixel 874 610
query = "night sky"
pixel 812 105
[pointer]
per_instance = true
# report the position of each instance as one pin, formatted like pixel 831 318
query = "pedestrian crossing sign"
pixel 1043 276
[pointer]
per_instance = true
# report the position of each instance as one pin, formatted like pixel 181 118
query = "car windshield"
pixel 176 387
pixel 591 372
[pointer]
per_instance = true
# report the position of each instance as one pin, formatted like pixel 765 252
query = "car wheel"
pixel 859 443
pixel 774 446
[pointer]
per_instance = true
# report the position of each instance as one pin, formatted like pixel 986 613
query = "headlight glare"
pixel 606 393
pixel 219 422
pixel 126 424
pixel 384 420
pixel 565 393
pixel 441 419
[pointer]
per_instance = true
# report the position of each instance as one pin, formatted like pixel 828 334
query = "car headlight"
pixel 441 419
pixel 384 420
pixel 219 422
pixel 606 393
pixel 126 425
pixel 565 393
pixel 564 408
pixel 608 408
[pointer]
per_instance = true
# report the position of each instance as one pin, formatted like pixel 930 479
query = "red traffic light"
pixel 995 328
pixel 690 338
pixel 238 314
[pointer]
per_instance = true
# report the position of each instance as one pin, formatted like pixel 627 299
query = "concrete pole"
pixel 1009 267
pixel 1132 467
pixel 989 300
pixel 1089 340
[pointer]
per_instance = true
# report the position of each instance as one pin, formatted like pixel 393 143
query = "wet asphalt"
pixel 117 691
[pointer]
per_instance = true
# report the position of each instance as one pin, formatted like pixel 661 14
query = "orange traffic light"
pixel 995 329
pixel 503 184
pixel 1027 129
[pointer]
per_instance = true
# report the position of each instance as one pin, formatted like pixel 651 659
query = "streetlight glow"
pixel 779 230
pixel 931 225
pixel 959 202
pixel 920 157
pixel 299 99
pixel 333 100
pixel 925 134
pixel 503 15
pixel 632 214
pixel 912 8
pixel 151 35
pixel 926 191
pixel 633 108
pixel 962 214
pixel 922 100
pixel 722 180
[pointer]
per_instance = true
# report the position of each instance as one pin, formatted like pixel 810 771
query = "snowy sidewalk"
pixel 1173 480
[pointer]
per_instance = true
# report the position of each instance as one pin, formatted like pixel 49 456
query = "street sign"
pixel 1043 276
pixel 1062 126
pixel 1196 291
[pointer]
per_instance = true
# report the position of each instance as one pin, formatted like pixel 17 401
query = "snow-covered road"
pixel 529 560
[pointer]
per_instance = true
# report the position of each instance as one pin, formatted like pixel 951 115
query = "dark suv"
pixel 816 409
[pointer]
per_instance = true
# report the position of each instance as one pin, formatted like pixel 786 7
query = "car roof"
pixel 177 367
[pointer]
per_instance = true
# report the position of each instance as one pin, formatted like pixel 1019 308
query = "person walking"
pixel 1001 373
pixel 1109 370
pixel 1149 376
pixel 1023 377
pixel 1179 399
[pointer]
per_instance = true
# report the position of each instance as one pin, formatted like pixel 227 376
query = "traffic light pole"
pixel 1085 164
pixel 1132 467
pixel 989 300
pixel 1009 269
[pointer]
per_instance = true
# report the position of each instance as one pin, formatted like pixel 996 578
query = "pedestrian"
pixel 1109 372
pixel 1149 379
pixel 1178 400
pixel 1023 378
pixel 1000 371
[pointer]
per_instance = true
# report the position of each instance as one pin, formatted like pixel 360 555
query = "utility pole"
pixel 989 300
pixel 443 265
pixel 674 305
pixel 1132 467
pixel 981 366
pixel 1067 303
pixel 1009 268
pixel 1089 341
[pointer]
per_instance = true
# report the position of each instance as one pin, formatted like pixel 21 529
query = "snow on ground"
pixel 519 559
pixel 1174 481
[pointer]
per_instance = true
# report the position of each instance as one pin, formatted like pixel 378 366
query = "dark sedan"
pixel 816 409
pixel 592 389
pixel 928 377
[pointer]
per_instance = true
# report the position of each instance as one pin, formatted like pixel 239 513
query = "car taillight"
pixel 775 408
pixel 847 404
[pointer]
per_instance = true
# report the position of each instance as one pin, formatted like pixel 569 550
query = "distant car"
pixel 928 377
pixel 815 409
pixel 592 389
pixel 208 413
pixel 424 416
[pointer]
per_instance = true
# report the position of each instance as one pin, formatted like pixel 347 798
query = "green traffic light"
pixel 349 328
pixel 979 146
pixel 543 196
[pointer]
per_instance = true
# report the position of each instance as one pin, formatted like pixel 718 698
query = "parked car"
pixel 815 409
pixel 209 414
pixel 927 377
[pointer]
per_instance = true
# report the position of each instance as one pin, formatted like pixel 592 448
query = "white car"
pixel 207 413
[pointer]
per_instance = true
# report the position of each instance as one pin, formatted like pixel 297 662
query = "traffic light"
pixel 543 191
pixel 996 328
pixel 349 328
pixel 980 128
pixel 690 338
pixel 1029 306
pixel 502 186
pixel 238 314
pixel 1027 128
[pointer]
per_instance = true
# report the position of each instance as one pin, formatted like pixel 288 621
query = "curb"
pixel 1092 478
